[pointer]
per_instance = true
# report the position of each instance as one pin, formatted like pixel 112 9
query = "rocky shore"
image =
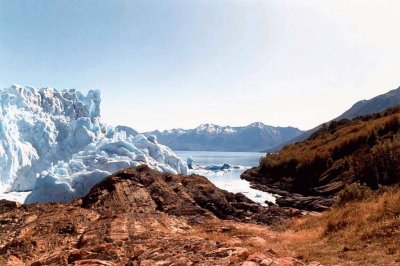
pixel 139 216
pixel 285 198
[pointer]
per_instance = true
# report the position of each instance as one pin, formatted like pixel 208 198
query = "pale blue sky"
pixel 167 64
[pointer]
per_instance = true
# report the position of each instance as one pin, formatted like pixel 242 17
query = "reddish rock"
pixel 266 262
pixel 257 257
pixel 235 242
pixel 134 217
pixel 94 262
pixel 256 241
pixel 287 262
pixel 249 263
pixel 314 263
pixel 13 261
pixel 6 206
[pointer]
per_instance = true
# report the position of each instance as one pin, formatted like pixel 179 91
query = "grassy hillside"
pixel 363 228
pixel 360 231
pixel 364 150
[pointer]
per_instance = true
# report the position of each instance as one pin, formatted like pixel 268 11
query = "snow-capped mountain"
pixel 54 143
pixel 210 137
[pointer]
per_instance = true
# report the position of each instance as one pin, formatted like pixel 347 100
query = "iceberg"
pixel 54 144
pixel 219 167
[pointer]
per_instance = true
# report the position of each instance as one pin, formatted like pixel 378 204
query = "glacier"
pixel 54 144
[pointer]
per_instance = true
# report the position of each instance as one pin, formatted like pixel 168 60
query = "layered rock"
pixel 141 217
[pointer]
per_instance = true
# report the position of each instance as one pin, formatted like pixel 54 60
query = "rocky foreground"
pixel 139 216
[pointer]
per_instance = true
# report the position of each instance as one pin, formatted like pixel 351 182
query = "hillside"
pixel 364 150
pixel 361 108
pixel 363 231
pixel 374 105
pixel 209 137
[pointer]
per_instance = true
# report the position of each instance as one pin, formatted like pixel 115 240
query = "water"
pixel 249 159
pixel 228 180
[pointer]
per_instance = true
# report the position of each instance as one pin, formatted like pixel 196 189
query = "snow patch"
pixel 209 128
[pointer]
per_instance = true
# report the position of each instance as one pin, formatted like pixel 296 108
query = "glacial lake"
pixel 228 180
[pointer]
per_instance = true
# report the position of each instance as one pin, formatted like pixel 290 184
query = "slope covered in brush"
pixel 365 150
pixel 364 107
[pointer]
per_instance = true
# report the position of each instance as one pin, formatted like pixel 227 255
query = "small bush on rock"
pixel 353 192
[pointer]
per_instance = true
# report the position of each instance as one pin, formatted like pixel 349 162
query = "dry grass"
pixel 237 234
pixel 364 232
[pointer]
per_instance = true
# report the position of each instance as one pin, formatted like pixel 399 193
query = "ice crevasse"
pixel 54 143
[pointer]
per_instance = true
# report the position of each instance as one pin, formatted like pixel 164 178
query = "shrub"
pixel 353 192
pixel 335 226
pixel 366 148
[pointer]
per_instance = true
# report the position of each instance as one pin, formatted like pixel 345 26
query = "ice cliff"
pixel 54 143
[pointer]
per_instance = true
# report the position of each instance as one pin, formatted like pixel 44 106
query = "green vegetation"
pixel 365 150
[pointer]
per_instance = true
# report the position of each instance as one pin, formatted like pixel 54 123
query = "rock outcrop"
pixel 285 198
pixel 140 216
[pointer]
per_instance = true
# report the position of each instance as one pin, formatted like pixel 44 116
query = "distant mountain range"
pixel 210 137
pixel 364 107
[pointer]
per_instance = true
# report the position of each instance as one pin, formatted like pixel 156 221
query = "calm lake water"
pixel 249 159
pixel 229 179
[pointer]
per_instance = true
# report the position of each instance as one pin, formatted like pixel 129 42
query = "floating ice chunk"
pixel 217 167
pixel 189 162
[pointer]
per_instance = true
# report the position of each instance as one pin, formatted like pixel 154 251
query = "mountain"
pixel 374 105
pixel 209 137
pixel 364 150
pixel 54 143
pixel 364 107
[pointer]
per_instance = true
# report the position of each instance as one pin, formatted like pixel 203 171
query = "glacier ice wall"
pixel 53 143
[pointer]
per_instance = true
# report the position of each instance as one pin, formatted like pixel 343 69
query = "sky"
pixel 178 64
